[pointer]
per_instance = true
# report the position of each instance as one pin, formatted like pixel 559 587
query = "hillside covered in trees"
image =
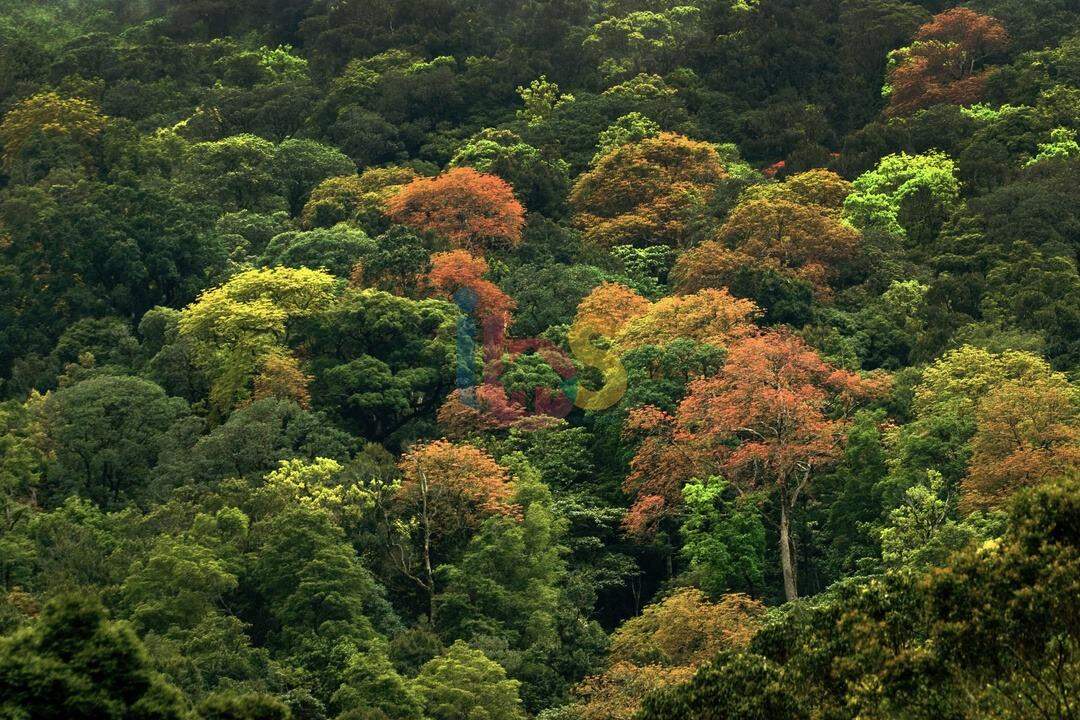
pixel 553 359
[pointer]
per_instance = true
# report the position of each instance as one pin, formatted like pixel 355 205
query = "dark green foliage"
pixel 75 663
pixel 106 435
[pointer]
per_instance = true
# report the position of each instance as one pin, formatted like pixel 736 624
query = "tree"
pixel 253 440
pixel 303 164
pixel 774 397
pixel 235 173
pixel 782 295
pixel 360 198
pixel 234 327
pixel 653 191
pixel 663 647
pixel 941 65
pixel 806 240
pixel 105 435
pixel 686 629
pixel 336 250
pixel 907 197
pixel 75 663
pixel 463 684
pixel 642 41
pixel 474 211
pixel 1026 432
pixel 84 248
pixel 738 686
pixel 243 706
pixel 921 531
pixel 541 98
pixel 609 307
pixel 925 644
pixel 39 131
pixel 310 598
pixel 709 316
pixel 180 582
pixel 723 538
pixel 819 188
pixel 446 489
pixel 382 363
pixel 629 128
pixel 539 182
pixel 458 275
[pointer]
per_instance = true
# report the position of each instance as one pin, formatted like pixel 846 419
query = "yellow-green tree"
pixel 234 328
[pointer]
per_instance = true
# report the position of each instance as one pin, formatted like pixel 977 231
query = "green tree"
pixel 243 706
pixel 723 538
pixel 302 164
pixel 463 684
pixel 73 662
pixel 234 173
pixel 540 182
pixel 906 197
pixel 336 250
pixel 235 326
pixel 105 435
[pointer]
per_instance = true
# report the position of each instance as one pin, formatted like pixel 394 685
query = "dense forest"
pixel 555 359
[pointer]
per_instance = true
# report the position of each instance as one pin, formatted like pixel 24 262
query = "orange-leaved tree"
pixel 609 306
pixel 663 647
pixel 446 489
pixel 709 316
pixel 808 241
pixel 458 275
pixel 1026 432
pixel 711 265
pixel 771 418
pixel 472 210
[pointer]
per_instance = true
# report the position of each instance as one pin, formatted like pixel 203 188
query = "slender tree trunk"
pixel 429 574
pixel 787 559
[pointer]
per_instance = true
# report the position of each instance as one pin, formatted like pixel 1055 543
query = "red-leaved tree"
pixel 943 65
pixel 772 417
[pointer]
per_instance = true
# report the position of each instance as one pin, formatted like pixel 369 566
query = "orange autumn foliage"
pixel 941 66
pixel 772 417
pixel 806 240
pixel 474 211
pixel 454 485
pixel 459 275
pixel 618 692
pixel 773 394
pixel 478 409
pixel 710 265
pixel 665 646
pixel 659 469
pixel 609 307
pixel 709 316
pixel 280 376
pixel 655 190
pixel 1026 432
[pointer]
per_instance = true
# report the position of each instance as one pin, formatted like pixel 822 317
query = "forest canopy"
pixel 553 359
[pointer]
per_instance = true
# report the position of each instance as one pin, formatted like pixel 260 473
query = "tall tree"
pixel 941 66
pixel 785 409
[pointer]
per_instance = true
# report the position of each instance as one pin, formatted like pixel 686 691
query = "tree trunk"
pixel 787 559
